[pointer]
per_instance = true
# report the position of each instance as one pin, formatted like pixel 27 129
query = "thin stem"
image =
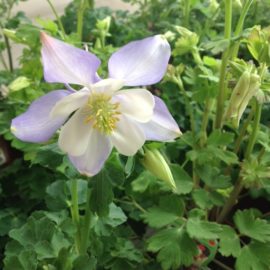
pixel 81 9
pixel 10 61
pixel 222 265
pixel 255 130
pixel 188 105
pixel 3 61
pixel 197 57
pixel 205 119
pixel 239 184
pixel 86 224
pixel 91 4
pixel 231 201
pixel 239 26
pixel 186 12
pixel 57 18
pixel 243 132
pixel 75 213
pixel 225 58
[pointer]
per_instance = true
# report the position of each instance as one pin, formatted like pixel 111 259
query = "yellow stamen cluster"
pixel 101 113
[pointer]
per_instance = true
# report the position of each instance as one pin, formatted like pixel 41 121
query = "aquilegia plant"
pixel 101 115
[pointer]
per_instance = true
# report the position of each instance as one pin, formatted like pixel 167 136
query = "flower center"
pixel 101 113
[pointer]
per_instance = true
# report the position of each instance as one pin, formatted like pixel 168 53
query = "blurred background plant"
pixel 215 215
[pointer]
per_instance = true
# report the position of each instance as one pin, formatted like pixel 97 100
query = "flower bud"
pixel 245 89
pixel 186 43
pixel 104 24
pixel 18 84
pixel 154 162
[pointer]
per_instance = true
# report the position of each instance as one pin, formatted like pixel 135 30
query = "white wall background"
pixel 41 8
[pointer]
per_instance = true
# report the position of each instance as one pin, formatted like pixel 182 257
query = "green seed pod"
pixel 246 88
pixel 252 90
pixel 238 93
pixel 154 162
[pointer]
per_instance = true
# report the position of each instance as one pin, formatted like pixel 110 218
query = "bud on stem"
pixel 154 162
pixel 245 89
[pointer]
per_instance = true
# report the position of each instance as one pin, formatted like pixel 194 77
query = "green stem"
pixel 3 61
pixel 86 225
pixel 81 9
pixel 222 265
pixel 231 201
pixel 225 58
pixel 239 26
pixel 243 132
pixel 91 4
pixel 255 130
pixel 239 184
pixel 205 119
pixel 10 61
pixel 187 104
pixel 75 213
pixel 57 18
pixel 186 12
pixel 197 57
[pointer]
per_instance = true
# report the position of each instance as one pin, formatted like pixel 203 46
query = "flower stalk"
pixel 81 9
pixel 225 57
pixel 85 231
pixel 75 213
pixel 57 18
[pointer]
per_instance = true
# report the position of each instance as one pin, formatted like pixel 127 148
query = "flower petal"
pixel 74 135
pixel 97 152
pixel 66 64
pixel 36 125
pixel 136 103
pixel 142 62
pixel 108 86
pixel 128 137
pixel 162 126
pixel 70 103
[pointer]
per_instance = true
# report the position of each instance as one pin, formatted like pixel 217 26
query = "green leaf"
pixel 254 256
pixel 116 216
pixel 101 194
pixel 41 235
pixel 212 177
pixel 229 244
pixel 200 229
pixel 206 200
pixel 183 181
pixel 158 218
pixel 170 209
pixel 220 138
pixel 84 262
pixel 184 248
pixel 25 260
pixel 143 181
pixel 250 225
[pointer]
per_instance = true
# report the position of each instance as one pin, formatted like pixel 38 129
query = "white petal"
pixel 136 103
pixel 98 150
pixel 74 135
pixel 67 64
pixel 162 126
pixel 108 86
pixel 70 103
pixel 141 62
pixel 128 137
pixel 36 125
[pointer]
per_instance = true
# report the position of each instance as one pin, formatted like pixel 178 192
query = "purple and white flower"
pixel 100 116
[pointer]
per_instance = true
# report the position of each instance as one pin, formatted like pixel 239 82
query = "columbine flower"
pixel 103 115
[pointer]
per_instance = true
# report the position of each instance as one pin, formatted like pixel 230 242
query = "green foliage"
pixel 174 247
pixel 249 224
pixel 53 218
